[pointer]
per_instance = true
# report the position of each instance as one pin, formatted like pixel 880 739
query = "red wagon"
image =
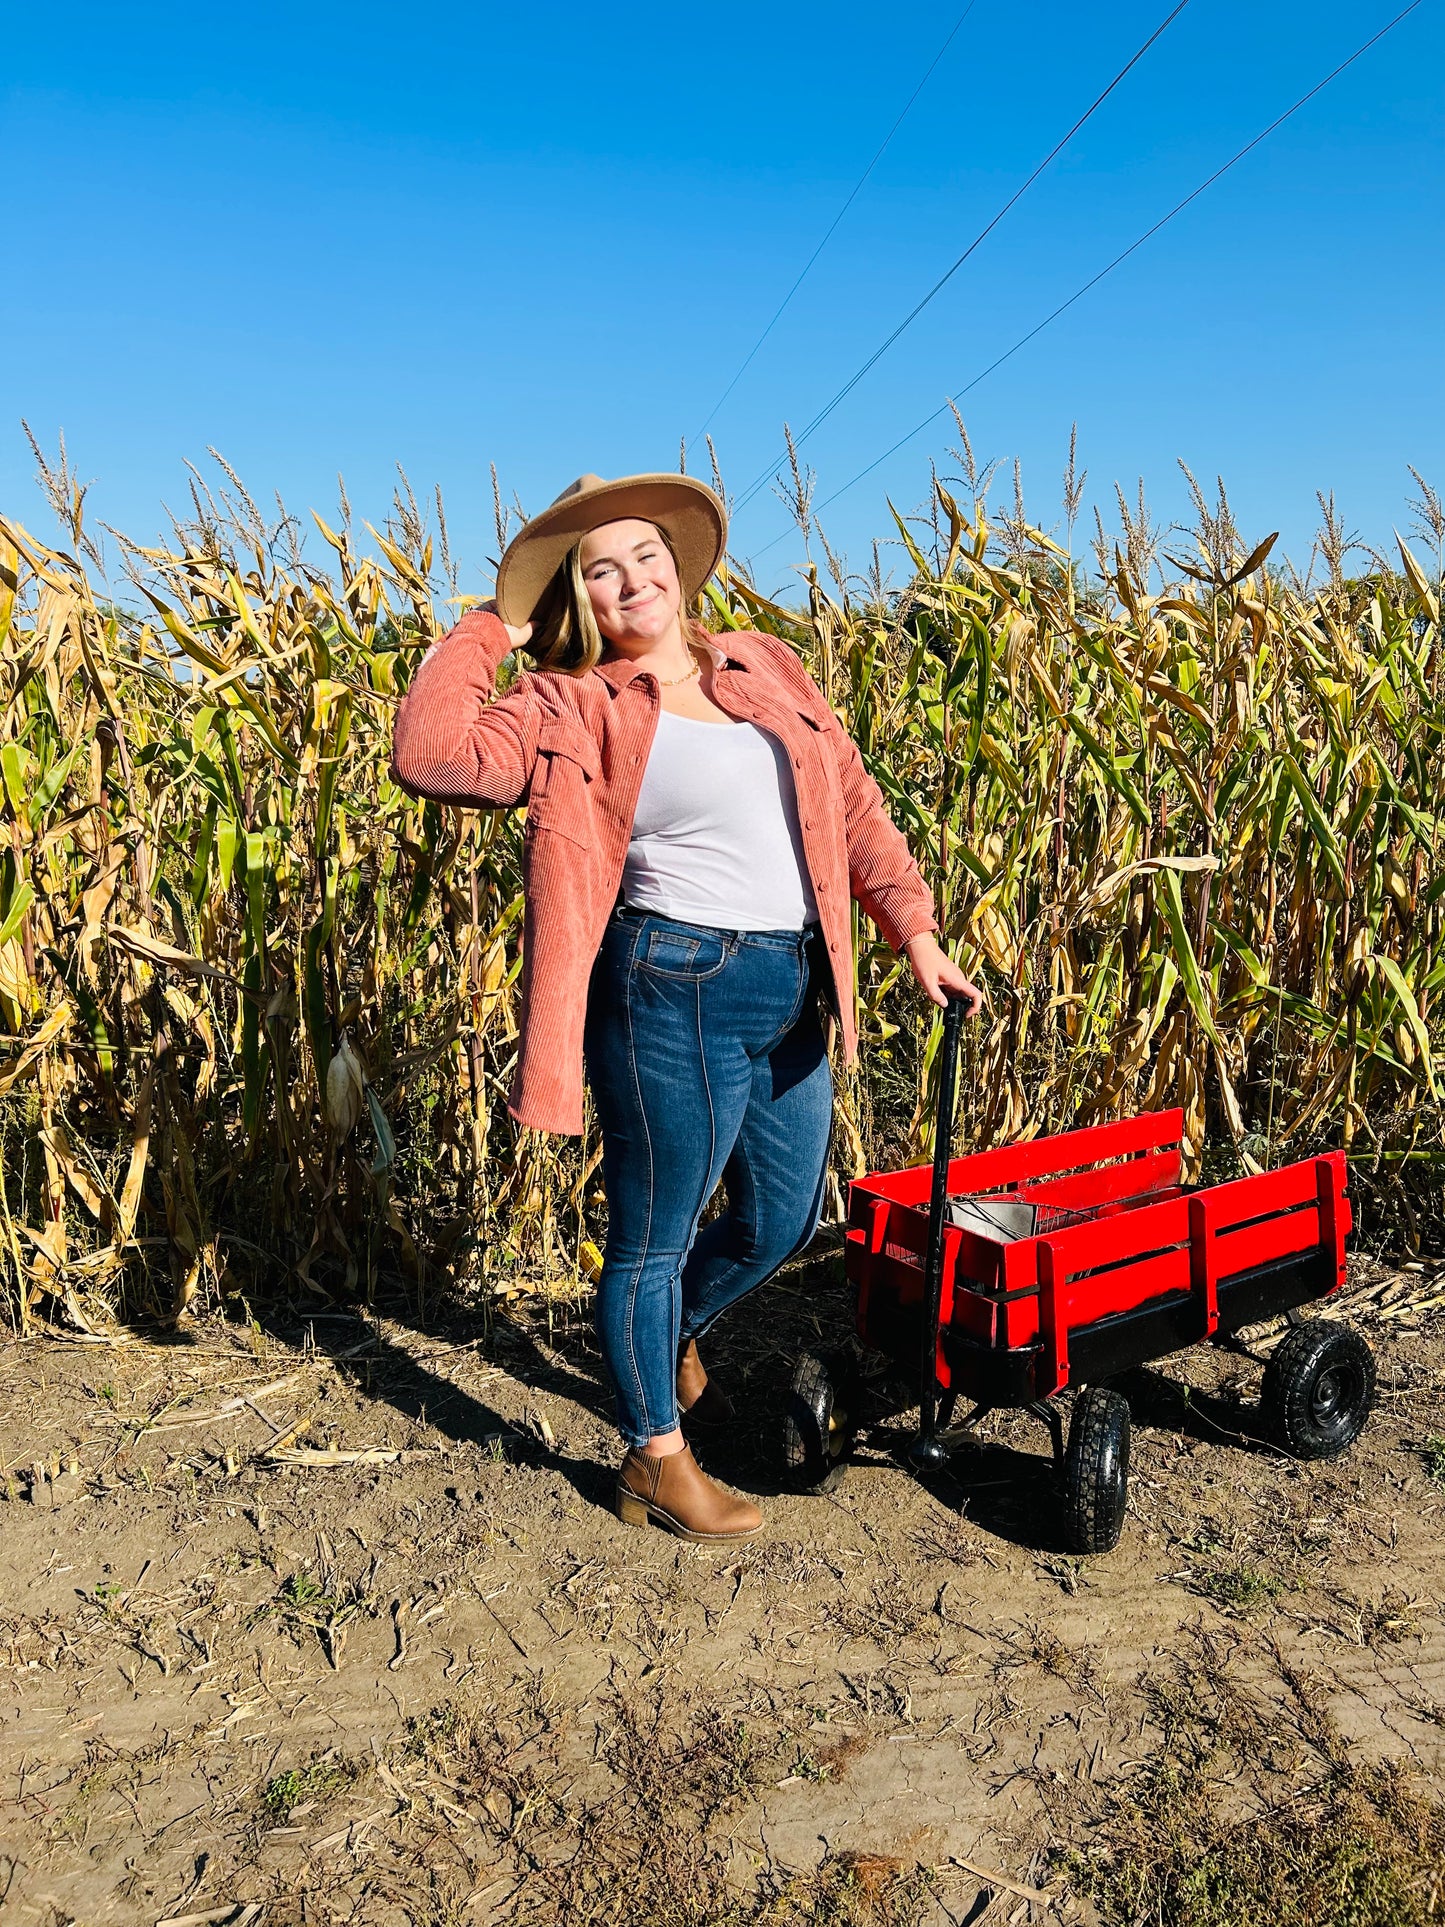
pixel 1017 1275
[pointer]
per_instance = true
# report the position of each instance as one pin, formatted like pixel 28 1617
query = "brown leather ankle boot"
pixel 698 1399
pixel 678 1494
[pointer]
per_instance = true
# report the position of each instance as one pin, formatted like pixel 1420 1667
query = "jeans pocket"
pixel 688 955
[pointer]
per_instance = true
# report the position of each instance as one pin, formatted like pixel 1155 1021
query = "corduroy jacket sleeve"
pixel 455 740
pixel 882 872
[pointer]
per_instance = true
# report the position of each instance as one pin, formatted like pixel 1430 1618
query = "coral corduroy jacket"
pixel 573 749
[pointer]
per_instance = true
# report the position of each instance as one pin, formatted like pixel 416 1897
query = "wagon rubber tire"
pixel 1096 1470
pixel 818 1420
pixel 1319 1389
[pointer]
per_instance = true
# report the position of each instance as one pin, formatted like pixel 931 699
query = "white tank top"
pixel 716 839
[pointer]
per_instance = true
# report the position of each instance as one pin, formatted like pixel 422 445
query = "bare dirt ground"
pixel 445 1685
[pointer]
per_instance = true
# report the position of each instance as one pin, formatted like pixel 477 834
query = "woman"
pixel 697 819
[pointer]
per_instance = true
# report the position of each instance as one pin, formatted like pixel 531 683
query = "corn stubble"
pixel 258 1007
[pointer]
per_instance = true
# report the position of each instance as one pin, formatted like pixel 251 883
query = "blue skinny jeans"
pixel 706 1058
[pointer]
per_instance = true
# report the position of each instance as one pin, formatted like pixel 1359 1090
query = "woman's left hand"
pixel 937 973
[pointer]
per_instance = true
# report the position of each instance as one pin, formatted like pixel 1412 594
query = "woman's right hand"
pixel 519 637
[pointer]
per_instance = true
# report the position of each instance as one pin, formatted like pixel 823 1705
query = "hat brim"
pixel 687 511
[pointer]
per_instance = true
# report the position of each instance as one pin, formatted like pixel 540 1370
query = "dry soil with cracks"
pixel 328 1621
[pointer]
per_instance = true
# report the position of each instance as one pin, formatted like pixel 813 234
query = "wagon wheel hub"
pixel 1336 1393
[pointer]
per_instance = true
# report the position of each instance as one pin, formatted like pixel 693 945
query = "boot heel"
pixel 630 1509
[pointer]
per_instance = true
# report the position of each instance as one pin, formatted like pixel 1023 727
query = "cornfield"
pixel 258 1006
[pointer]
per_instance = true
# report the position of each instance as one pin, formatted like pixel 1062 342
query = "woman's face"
pixel 632 584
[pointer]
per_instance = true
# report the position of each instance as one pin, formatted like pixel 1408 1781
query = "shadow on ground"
pixel 1212 1418
pixel 1002 1479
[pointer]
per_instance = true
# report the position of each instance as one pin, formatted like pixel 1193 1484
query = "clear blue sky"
pixel 331 238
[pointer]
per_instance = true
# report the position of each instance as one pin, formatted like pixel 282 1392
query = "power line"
pixel 1117 261
pixel 858 187
pixel 763 479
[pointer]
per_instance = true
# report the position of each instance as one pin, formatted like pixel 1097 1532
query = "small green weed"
pixel 301 1603
pixel 1238 1589
pixel 1433 1453
pixel 72 1820
pixel 306 1785
pixel 304 1604
pixel 432 1734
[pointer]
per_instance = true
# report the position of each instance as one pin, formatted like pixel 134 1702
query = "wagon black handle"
pixel 954 1012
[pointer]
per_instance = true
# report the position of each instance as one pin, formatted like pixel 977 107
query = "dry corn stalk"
pixel 257 1006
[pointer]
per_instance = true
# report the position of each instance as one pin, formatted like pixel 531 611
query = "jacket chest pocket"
pixel 568 761
pixel 816 754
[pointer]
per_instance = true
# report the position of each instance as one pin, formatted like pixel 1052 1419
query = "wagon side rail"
pixel 1251 1227
pixel 1139 1154
pixel 1149 1145
pixel 1199 1265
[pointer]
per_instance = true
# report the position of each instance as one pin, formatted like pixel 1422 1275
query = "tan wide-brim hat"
pixel 688 512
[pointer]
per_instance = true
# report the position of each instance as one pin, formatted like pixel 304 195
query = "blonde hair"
pixel 565 635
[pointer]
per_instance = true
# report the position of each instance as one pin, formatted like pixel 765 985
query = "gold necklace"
pixel 671 682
